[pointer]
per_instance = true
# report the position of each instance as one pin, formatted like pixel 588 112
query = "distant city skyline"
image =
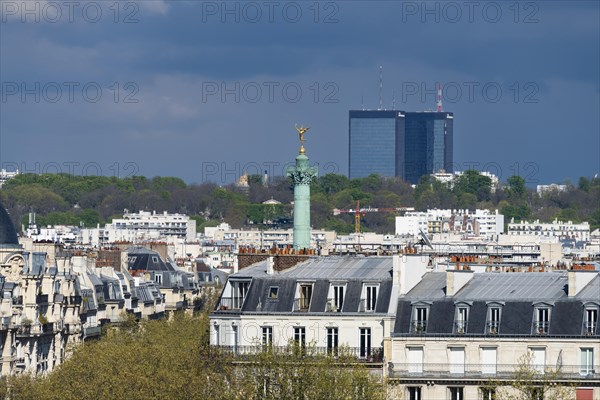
pixel 209 90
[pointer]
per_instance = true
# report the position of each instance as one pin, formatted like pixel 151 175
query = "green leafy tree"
pixel 472 182
pixel 516 187
pixel 529 383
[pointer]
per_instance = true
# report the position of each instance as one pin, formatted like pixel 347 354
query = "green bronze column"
pixel 302 175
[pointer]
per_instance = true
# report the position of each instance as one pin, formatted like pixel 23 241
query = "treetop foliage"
pixel 91 200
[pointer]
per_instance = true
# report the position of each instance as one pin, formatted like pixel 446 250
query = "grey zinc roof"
pixel 515 286
pixel 331 267
pixel 431 287
pixel 8 234
pixel 591 291
pixel 501 286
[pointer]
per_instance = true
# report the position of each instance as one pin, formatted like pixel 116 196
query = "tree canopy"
pixel 91 200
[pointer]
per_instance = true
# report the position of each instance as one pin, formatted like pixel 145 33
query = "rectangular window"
pixel 267 335
pixel 415 360
pixel 591 321
pixel 338 298
pixel 332 340
pixel 158 279
pixel 305 296
pixel 240 290
pixel 488 360
pixel 461 320
pixel 457 360
pixel 537 394
pixel 542 321
pixel 365 342
pixel 420 320
pixel 300 335
pixel 273 292
pixel 456 393
pixel 488 393
pixel 538 359
pixel 371 298
pixel 414 393
pixel 493 325
pixel 587 361
pixel 217 335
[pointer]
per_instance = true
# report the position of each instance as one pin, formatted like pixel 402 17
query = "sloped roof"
pixel 526 286
pixel 8 233
pixel 330 267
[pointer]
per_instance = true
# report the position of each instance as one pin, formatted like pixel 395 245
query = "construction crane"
pixel 358 212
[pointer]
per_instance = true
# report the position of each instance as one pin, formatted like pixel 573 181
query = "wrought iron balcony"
pixel 460 328
pixel 230 303
pixel 492 327
pixel 419 326
pixel 302 305
pixel 366 306
pixel 541 327
pixel 89 331
pixel 589 328
pixel 372 355
pixel 487 371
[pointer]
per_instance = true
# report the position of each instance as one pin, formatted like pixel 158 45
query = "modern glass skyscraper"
pixel 399 143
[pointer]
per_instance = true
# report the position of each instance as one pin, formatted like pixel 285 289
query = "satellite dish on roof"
pixel 425 238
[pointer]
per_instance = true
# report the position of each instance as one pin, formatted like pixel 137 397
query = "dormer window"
pixel 304 296
pixel 240 290
pixel 493 319
pixel 542 320
pixel 273 292
pixel 419 323
pixel 461 319
pixel 369 297
pixel 336 297
pixel 590 322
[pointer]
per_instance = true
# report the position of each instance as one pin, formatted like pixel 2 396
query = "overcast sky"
pixel 204 90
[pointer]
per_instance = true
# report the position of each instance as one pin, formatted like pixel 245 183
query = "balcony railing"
pixel 541 327
pixel 419 326
pixel 486 371
pixel 89 331
pixel 366 306
pixel 331 307
pixel 230 303
pixel 302 305
pixel 589 328
pixel 492 327
pixel 460 328
pixel 354 354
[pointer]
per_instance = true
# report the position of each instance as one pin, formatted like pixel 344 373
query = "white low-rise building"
pixel 482 223
pixel 558 229
pixel 449 177
pixel 553 187
pixel 140 227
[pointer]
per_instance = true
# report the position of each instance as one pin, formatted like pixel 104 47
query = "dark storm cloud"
pixel 154 75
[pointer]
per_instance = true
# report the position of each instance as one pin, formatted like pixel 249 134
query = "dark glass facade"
pixel 398 143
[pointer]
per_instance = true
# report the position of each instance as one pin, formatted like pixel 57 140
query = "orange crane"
pixel 358 212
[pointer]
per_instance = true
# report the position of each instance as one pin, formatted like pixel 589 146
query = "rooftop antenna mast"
pixel 439 98
pixel 380 87
pixel 362 101
pixel 393 100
